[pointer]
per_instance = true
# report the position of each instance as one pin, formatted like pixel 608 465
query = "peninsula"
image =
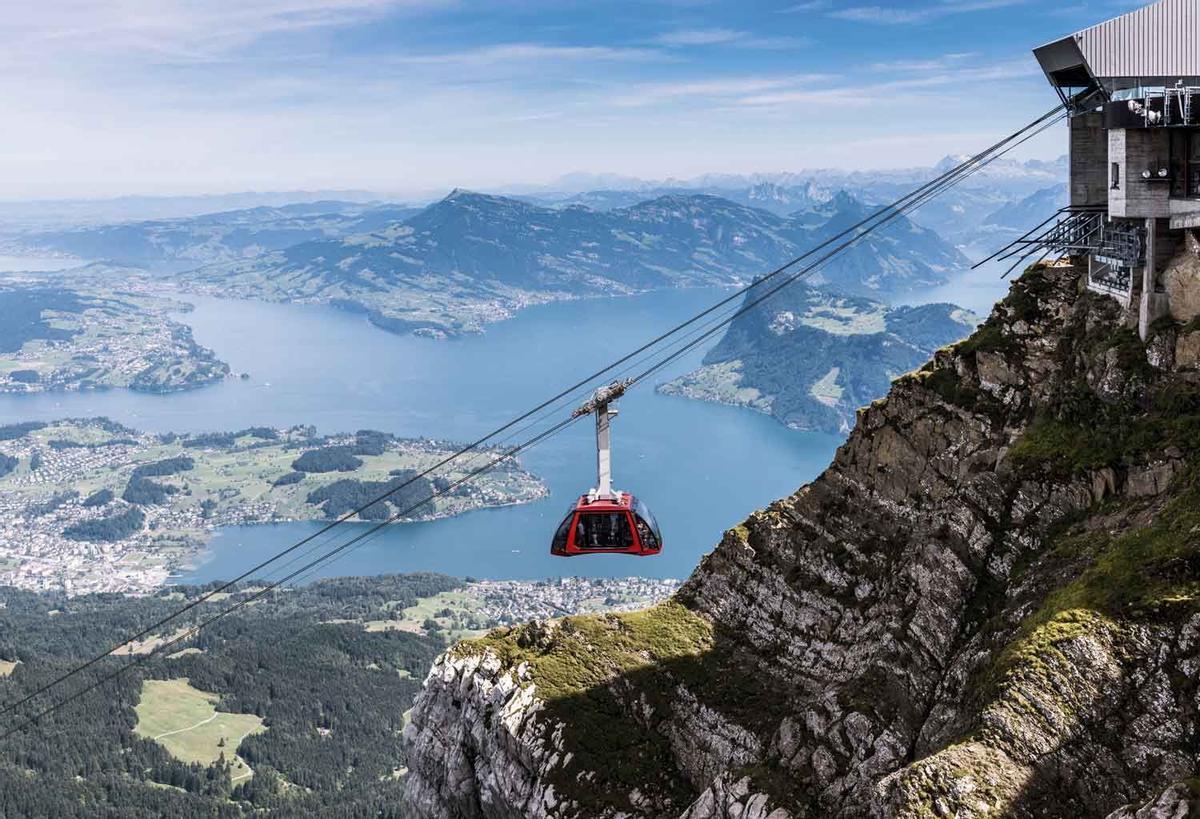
pixel 92 506
pixel 54 338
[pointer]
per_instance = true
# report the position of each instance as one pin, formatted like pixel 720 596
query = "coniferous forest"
pixel 332 696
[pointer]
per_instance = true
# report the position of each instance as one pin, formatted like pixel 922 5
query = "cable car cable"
pixel 709 329
pixel 884 215
pixel 258 594
pixel 896 209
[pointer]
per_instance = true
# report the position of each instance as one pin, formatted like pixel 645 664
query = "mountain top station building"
pixel 1132 89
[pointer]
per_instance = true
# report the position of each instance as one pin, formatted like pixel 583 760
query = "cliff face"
pixel 988 605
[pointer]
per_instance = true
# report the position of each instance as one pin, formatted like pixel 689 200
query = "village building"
pixel 1131 86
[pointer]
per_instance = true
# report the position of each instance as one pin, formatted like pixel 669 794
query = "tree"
pixel 107 530
pixel 145 492
pixel 327 459
pixel 100 497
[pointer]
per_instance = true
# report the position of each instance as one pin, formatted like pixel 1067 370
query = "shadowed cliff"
pixel 989 605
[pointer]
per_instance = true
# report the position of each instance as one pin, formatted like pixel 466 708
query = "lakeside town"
pixel 92 506
pixel 59 339
pixel 505 602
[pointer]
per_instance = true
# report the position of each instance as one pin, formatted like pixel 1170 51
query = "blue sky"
pixel 406 97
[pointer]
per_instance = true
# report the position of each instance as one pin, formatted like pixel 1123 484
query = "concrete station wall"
pixel 1136 150
pixel 1089 161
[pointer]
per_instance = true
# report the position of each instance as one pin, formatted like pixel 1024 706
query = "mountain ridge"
pixel 472 258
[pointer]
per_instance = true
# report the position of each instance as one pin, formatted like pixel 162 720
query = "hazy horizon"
pixel 570 183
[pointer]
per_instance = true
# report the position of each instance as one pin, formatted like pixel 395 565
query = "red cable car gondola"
pixel 606 521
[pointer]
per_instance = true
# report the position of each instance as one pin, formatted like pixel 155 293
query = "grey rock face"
pixel 942 624
pixel 1176 802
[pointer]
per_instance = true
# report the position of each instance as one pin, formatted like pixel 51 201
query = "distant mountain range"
pixel 58 214
pixel 1003 181
pixel 471 258
pixel 955 215
pixel 811 358
pixel 196 240
pixel 1006 172
pixel 1017 218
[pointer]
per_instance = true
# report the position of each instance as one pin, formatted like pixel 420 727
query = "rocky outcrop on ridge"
pixel 988 605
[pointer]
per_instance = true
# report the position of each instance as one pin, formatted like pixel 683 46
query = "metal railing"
pixel 1109 278
pixel 1078 231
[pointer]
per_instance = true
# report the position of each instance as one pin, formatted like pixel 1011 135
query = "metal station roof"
pixel 1159 40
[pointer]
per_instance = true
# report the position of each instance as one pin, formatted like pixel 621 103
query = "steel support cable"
pixel 1027 236
pixel 791 279
pixel 705 331
pixel 260 593
pixel 888 213
pixel 1094 225
pixel 882 216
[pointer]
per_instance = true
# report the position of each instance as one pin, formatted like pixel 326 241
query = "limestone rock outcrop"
pixel 988 605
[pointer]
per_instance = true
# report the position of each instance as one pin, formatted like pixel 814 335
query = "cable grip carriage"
pixel 606 520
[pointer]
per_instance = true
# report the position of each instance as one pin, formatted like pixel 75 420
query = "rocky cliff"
pixel 988 605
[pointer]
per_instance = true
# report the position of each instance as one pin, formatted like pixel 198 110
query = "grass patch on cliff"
pixel 1148 572
pixel 950 387
pixel 612 683
pixel 1152 573
pixel 1029 293
pixel 1023 303
pixel 990 337
pixel 1081 432
pixel 585 651
pixel 1092 435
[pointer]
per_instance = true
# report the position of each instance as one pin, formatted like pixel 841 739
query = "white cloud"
pixel 177 29
pixel 528 52
pixel 906 89
pixel 943 63
pixel 701 36
pixel 892 15
pixel 721 90
pixel 727 37
pixel 811 5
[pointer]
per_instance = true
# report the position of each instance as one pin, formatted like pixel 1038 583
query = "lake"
pixel 701 467
pixel 977 290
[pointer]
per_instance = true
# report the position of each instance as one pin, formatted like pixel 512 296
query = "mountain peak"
pixel 459 194
pixel 844 200
pixel 950 162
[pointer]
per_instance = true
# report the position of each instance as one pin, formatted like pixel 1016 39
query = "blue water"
pixel 701 467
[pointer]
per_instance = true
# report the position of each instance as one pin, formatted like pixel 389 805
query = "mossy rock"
pixel 1150 574
pixel 1090 435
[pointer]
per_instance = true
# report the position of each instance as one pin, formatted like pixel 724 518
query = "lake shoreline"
pixel 334 371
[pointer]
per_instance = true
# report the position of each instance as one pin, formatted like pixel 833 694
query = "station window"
pixel 1116 176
